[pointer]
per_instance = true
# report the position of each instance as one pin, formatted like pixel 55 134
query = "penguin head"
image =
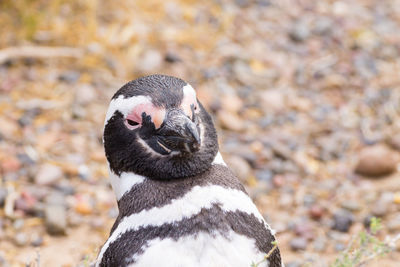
pixel 156 127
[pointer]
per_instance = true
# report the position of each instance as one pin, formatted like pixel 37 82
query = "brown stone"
pixel 377 160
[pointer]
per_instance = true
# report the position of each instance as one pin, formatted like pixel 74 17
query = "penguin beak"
pixel 179 133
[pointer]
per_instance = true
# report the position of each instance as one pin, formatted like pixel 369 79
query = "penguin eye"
pixel 132 123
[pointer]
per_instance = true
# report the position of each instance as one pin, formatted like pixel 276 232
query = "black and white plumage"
pixel 179 204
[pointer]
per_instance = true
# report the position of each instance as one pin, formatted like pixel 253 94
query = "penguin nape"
pixel 179 204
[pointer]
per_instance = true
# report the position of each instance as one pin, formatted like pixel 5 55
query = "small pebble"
pixel 70 76
pixel 305 230
pixel 278 180
pixel 37 240
pixel 308 200
pixel 340 247
pixel 172 57
pixel 381 207
pixel 298 243
pixel 10 164
pixel 299 32
pixel 264 175
pixel 376 161
pixel 316 212
pixel 75 219
pixel 323 26
pixel 48 174
pixel 342 221
pixel 83 207
pixel 20 239
pixel 293 264
pixel 97 223
pixel 26 203
pixel 84 172
pixel 3 195
pixel 18 224
pixel 351 205
pixel 55 214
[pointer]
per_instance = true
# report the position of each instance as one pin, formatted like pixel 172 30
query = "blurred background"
pixel 305 95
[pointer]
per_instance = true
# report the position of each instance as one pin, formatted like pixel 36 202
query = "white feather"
pixel 218 159
pixel 189 91
pixel 123 183
pixel 201 250
pixel 190 204
pixel 125 105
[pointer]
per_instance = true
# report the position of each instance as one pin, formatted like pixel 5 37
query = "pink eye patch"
pixel 134 119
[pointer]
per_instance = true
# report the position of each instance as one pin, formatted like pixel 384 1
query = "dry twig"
pixel 38 52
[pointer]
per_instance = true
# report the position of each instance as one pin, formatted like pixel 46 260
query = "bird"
pixel 179 203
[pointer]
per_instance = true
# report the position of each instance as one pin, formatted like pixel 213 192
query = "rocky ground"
pixel 305 94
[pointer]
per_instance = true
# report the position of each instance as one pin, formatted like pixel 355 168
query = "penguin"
pixel 179 203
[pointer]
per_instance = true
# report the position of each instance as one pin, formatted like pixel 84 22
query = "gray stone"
pixel 323 26
pixel 18 224
pixel 264 175
pixel 381 207
pixel 299 32
pixel 298 243
pixel 70 76
pixel 294 264
pixel 56 219
pixel 75 220
pixel 342 221
pixel 351 205
pixel 48 174
pixel 37 240
pixel 340 247
pixel 3 195
pixel 21 239
pixel 56 215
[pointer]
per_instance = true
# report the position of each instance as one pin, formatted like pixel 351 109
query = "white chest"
pixel 201 250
